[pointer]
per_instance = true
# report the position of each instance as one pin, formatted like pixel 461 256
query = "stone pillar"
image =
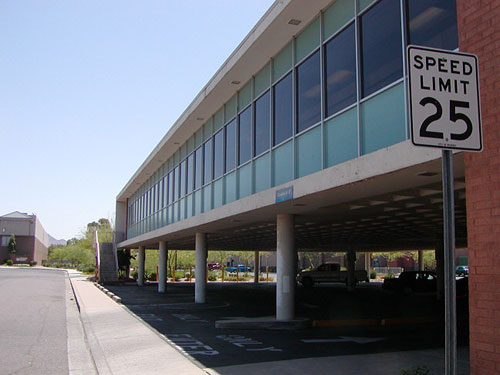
pixel 285 262
pixel 256 270
pixel 351 267
pixel 162 267
pixel 420 260
pixel 140 265
pixel 200 273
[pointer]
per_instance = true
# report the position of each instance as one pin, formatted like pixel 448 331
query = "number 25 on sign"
pixel 444 99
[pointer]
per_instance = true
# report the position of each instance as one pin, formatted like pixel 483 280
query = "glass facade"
pixel 316 104
pixel 245 136
pixel 381 46
pixel 340 71
pixel 308 93
pixel 262 122
pixel 283 110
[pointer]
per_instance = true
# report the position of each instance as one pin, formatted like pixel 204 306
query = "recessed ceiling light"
pixel 300 205
pixel 235 82
pixel 294 22
pixel 176 143
pixel 200 118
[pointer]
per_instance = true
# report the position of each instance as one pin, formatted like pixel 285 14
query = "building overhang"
pixel 388 199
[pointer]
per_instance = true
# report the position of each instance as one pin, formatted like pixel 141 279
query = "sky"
pixel 89 88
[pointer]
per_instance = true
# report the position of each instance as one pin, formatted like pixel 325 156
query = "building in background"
pixel 300 141
pixel 32 241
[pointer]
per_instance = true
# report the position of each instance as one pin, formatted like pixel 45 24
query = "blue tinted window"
pixel 198 169
pixel 282 116
pixel 207 158
pixel 340 68
pixel 382 55
pixel 245 136
pixel 230 140
pixel 433 23
pixel 177 179
pixel 171 196
pixel 183 178
pixel 190 173
pixel 218 154
pixel 308 93
pixel 262 124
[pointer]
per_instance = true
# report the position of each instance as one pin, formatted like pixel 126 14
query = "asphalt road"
pixel 192 327
pixel 33 335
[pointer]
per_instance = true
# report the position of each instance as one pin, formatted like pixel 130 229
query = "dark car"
pixel 462 271
pixel 412 282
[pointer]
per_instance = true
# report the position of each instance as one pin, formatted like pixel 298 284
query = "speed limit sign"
pixel 444 99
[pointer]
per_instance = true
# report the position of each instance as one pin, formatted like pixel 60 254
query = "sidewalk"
pixel 121 343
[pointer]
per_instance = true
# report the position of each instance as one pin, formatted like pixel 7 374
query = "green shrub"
pixel 373 274
pixel 151 276
pixel 232 277
pixel 74 254
pixel 9 262
pixel 134 274
pixel 212 276
pixel 86 268
pixel 32 263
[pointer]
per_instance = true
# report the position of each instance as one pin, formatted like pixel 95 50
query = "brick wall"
pixel 479 33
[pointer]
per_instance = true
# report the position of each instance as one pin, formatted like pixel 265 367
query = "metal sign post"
pixel 450 320
pixel 445 113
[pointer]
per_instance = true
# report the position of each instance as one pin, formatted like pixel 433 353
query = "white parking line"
pixel 243 342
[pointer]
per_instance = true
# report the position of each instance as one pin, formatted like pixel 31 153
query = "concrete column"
pixel 200 273
pixel 351 267
pixel 140 265
pixel 162 266
pixel 256 268
pixel 368 261
pixel 439 254
pixel 420 260
pixel 285 263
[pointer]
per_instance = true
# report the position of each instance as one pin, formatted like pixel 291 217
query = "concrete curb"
pixel 111 295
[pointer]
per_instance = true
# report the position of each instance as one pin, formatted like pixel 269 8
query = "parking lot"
pixel 368 320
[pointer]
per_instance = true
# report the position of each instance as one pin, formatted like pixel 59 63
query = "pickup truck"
pixel 328 273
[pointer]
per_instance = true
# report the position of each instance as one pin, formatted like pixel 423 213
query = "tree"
pixel 12 244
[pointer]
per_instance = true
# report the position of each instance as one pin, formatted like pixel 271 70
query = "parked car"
pixel 213 266
pixel 462 271
pixel 412 282
pixel 328 273
pixel 239 267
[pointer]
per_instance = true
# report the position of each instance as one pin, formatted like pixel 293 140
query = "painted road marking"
pixel 243 342
pixel 192 346
pixel 150 317
pixel 189 318
pixel 357 340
